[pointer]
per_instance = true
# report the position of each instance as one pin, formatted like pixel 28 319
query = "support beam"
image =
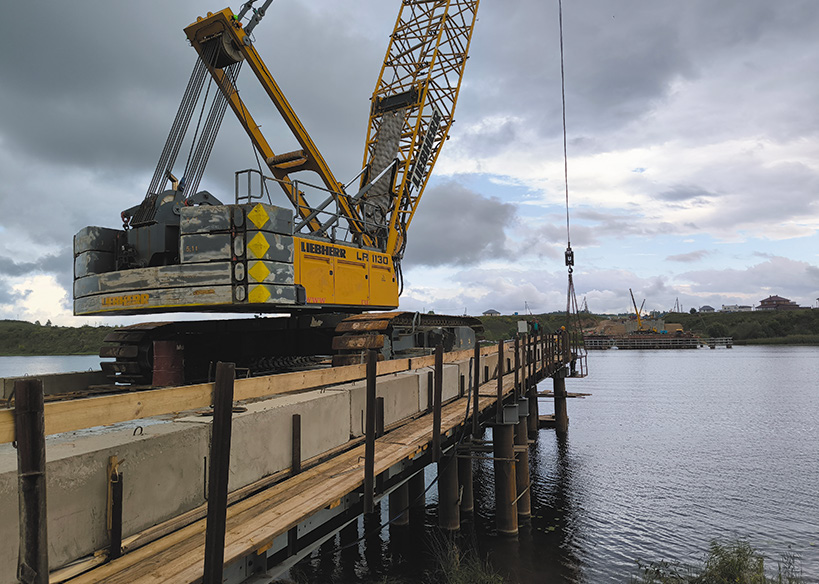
pixel 218 473
pixel 437 398
pixel 531 389
pixel 499 403
pixel 295 465
pixel 115 483
pixel 518 390
pixel 476 375
pixel 369 435
pixel 32 563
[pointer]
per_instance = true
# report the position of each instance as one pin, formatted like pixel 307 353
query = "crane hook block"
pixel 569 257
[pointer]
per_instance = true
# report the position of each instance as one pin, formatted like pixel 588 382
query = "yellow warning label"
pixel 128 300
pixel 258 216
pixel 258 245
pixel 259 294
pixel 259 272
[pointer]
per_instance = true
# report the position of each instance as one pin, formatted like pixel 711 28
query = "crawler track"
pixel 272 345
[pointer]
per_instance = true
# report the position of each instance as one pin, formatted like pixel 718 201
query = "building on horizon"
pixel 706 308
pixel 491 312
pixel 777 303
pixel 736 308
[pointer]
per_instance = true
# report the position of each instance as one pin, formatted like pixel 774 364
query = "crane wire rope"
pixel 574 328
pixel 565 149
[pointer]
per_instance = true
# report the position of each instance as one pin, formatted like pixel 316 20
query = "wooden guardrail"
pixel 70 415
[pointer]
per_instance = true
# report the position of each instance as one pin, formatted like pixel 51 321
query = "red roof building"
pixel 777 303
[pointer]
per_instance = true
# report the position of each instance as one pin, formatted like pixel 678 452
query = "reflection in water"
pixel 546 548
pixel 350 554
pixel 373 544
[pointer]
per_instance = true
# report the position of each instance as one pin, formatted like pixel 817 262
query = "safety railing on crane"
pixel 327 213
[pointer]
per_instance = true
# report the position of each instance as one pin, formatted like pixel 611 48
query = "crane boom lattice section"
pixel 418 86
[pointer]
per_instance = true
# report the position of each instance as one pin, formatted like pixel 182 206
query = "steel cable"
pixel 179 127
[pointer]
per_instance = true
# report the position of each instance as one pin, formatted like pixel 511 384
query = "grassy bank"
pixel 792 327
pixel 733 563
pixel 505 327
pixel 25 338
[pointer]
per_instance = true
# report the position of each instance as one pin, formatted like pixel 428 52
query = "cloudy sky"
pixel 693 138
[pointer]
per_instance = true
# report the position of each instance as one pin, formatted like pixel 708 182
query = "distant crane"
pixel 585 306
pixel 677 306
pixel 637 311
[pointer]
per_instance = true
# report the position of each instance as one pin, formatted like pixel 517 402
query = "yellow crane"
pixel 337 251
pixel 637 311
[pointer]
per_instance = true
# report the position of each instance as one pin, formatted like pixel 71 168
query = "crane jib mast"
pixel 322 256
pixel 186 250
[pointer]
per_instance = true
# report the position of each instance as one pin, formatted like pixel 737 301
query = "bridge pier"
pixel 506 514
pixel 561 413
pixel 465 484
pixel 530 387
pixel 417 499
pixel 399 506
pixel 449 516
pixel 522 480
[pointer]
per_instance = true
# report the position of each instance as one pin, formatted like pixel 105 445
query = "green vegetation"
pixel 793 327
pixel 24 338
pixel 449 564
pixel 455 566
pixel 505 327
pixel 733 563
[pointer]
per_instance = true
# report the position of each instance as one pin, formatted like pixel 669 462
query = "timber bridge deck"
pixel 308 453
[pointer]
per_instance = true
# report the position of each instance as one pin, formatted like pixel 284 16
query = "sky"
pixel 693 145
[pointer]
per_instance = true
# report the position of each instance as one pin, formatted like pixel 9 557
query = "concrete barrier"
pixel 163 463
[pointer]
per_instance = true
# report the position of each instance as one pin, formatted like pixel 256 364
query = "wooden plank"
pixel 72 415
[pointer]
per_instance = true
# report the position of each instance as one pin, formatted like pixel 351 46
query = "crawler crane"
pixel 326 261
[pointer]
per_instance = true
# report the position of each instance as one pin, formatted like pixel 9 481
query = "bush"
pixel 733 563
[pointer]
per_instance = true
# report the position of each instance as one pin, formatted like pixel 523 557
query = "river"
pixel 672 450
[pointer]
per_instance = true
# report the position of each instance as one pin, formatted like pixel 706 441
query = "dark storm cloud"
pixel 622 63
pixel 691 256
pixel 49 263
pixel 90 100
pixel 455 225
pixel 6 295
pixel 90 89
pixel 60 266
